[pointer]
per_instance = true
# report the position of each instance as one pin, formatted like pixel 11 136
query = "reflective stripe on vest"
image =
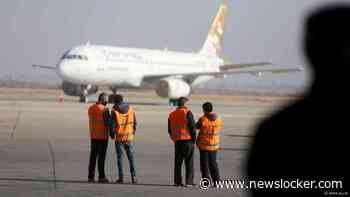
pixel 98 129
pixel 209 135
pixel 125 125
pixel 178 124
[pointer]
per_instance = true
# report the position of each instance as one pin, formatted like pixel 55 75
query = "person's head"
pixel 207 107
pixel 327 38
pixel 118 99
pixel 181 101
pixel 103 98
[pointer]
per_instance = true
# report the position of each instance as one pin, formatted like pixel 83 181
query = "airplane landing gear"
pixel 83 97
pixel 112 96
pixel 172 102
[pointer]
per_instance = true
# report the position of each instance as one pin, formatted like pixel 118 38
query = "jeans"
pixel 98 150
pixel 129 149
pixel 209 165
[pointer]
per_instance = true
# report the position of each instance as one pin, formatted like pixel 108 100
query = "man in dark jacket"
pixel 208 142
pixel 308 139
pixel 123 130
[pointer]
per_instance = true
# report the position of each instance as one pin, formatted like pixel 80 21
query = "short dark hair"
pixel 207 107
pixel 181 101
pixel 102 97
pixel 327 36
pixel 118 98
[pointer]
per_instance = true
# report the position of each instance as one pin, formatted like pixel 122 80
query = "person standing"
pixel 308 139
pixel 123 131
pixel 208 142
pixel 182 131
pixel 98 123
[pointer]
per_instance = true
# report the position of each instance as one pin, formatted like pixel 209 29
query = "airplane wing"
pixel 191 76
pixel 44 67
pixel 246 65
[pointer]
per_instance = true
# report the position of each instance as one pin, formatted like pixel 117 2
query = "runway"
pixel 44 144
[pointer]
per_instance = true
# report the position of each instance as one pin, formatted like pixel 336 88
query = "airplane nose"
pixel 63 70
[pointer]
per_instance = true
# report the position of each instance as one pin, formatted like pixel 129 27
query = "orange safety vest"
pixel 98 129
pixel 178 124
pixel 125 125
pixel 209 134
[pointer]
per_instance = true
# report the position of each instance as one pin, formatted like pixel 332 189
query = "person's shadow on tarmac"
pixel 307 139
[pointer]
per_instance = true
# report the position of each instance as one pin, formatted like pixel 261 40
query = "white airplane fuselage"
pixel 127 67
pixel 173 74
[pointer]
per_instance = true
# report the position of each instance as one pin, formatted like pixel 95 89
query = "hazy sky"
pixel 40 31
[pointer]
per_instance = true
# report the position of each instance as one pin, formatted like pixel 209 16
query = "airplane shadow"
pixel 80 182
pixel 137 103
pixel 148 103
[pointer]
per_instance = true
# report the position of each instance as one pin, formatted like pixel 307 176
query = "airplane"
pixel 173 74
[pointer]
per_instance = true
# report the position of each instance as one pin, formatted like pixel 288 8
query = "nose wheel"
pixel 112 96
pixel 83 97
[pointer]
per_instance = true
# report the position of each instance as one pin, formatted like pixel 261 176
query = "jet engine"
pixel 172 88
pixel 72 89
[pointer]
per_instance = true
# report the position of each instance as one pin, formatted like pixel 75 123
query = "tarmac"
pixel 44 144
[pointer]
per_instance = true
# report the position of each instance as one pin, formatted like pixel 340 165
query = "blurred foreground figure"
pixel 307 140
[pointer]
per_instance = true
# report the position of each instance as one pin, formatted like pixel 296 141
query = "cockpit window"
pixel 73 56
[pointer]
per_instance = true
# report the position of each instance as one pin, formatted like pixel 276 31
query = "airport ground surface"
pixel 44 144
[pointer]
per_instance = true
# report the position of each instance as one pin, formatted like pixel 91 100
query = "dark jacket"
pixel 211 117
pixel 121 108
pixel 190 124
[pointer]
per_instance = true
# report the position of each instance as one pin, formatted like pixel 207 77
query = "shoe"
pixel 103 180
pixel 178 185
pixel 133 180
pixel 119 181
pixel 91 180
pixel 215 184
pixel 190 185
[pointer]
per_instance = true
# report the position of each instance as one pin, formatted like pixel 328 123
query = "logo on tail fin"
pixel 212 45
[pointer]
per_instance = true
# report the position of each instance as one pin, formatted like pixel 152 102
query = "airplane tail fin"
pixel 213 43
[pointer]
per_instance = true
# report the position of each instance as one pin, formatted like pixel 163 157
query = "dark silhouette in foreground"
pixel 307 140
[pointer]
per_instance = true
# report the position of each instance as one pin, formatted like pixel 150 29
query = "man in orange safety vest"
pixel 123 131
pixel 182 131
pixel 208 141
pixel 98 125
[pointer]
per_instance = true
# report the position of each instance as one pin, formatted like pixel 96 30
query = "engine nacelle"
pixel 172 88
pixel 72 89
